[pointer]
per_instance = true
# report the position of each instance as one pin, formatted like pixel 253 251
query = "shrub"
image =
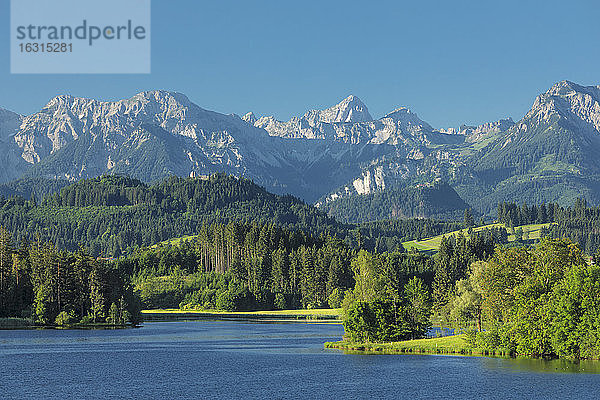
pixel 488 340
pixel 65 318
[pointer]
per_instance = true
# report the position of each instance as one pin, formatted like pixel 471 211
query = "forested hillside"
pixel 438 201
pixel 110 215
pixel 32 188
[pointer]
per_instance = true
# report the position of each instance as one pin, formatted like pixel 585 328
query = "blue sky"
pixel 452 62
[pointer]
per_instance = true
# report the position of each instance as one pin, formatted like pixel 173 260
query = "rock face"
pixel 549 155
pixel 350 122
pixel 12 165
pixel 561 133
pixel 436 200
pixel 149 136
pixel 349 110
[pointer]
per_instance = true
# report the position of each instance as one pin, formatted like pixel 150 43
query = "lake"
pixel 235 359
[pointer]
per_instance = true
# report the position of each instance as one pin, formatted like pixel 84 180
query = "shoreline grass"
pixel 449 345
pixel 14 323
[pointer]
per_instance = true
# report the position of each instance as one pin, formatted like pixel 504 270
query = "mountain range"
pixel 323 156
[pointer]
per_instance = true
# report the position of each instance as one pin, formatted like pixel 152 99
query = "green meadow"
pixel 433 244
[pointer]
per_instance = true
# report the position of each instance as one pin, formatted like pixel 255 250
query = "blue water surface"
pixel 242 360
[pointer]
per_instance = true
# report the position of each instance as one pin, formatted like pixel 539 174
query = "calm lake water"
pixel 224 359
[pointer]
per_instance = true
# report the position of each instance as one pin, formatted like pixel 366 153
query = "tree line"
pixel 537 302
pixel 255 266
pixel 55 287
pixel 580 222
pixel 438 201
pixel 113 216
pixel 280 268
pixel 393 299
pixel 511 214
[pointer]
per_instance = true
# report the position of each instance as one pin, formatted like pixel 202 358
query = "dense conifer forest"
pixel 113 215
pixel 438 201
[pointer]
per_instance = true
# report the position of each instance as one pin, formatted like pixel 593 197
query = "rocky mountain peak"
pixel 575 103
pixel 349 110
pixel 159 133
pixel 565 88
pixel 568 90
pixel 402 113
pixel 250 118
pixel 405 117
pixel 162 96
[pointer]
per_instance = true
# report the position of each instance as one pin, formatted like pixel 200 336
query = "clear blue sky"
pixel 452 62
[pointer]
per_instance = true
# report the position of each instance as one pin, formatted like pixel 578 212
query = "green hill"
pixel 110 215
pixel 432 244
pixel 437 201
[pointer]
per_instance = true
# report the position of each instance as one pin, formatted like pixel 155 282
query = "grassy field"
pixel 329 314
pixel 442 345
pixel 320 311
pixel 433 244
pixel 533 230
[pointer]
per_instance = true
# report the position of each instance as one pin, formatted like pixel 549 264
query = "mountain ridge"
pixel 322 154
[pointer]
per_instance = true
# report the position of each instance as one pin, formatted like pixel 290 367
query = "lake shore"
pixel 452 345
pixel 15 323
pixel 329 315
pixel 12 323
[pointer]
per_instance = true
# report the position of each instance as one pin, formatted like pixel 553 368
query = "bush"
pixel 226 300
pixel 65 318
pixel 488 340
pixel 360 323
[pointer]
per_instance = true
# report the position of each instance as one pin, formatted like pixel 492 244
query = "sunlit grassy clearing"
pixel 433 244
pixel 316 312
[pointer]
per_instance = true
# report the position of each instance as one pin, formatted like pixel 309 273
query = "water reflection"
pixel 542 366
